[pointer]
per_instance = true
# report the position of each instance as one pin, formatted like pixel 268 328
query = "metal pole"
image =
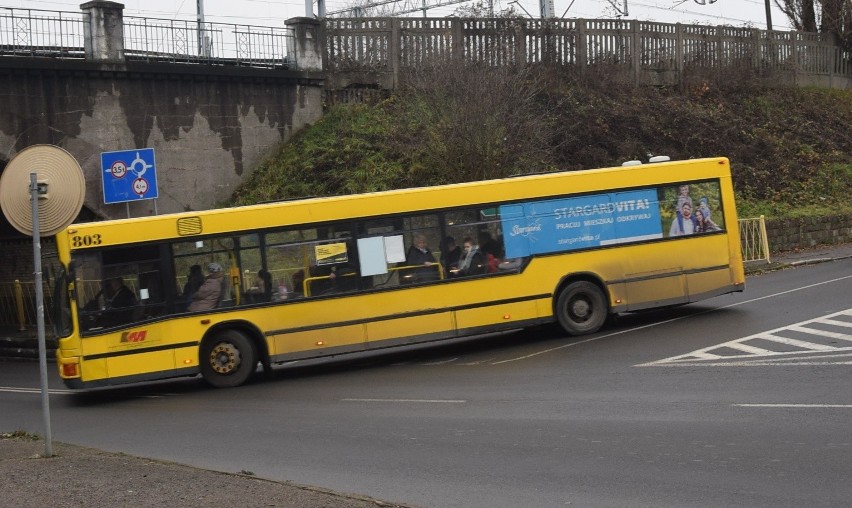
pixel 768 16
pixel 42 349
pixel 199 12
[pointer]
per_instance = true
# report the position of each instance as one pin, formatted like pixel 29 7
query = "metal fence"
pixel 18 304
pixel 755 243
pixel 32 32
pixel 179 41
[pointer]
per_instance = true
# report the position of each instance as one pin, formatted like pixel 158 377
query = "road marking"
pixel 441 362
pixel 810 346
pixel 477 362
pixel 773 295
pixel 776 360
pixel 660 323
pixel 613 334
pixel 798 406
pixel 418 401
pixel 12 389
pixel 834 322
pixel 752 353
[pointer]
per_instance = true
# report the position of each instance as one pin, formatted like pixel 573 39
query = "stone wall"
pixel 791 234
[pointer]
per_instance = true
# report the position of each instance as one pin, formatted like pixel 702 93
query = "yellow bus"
pixel 218 292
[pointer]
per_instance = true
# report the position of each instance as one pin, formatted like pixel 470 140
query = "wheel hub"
pixel 224 358
pixel 580 308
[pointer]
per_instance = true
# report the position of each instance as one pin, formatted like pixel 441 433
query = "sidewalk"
pixel 801 257
pixel 81 477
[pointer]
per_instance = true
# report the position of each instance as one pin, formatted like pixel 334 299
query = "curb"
pixel 15 349
pixel 780 265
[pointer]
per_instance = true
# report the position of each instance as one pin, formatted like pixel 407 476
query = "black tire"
pixel 227 359
pixel 581 308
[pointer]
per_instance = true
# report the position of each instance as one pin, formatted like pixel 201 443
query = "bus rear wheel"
pixel 227 359
pixel 581 308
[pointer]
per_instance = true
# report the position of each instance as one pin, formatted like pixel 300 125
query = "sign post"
pixel 45 214
pixel 35 191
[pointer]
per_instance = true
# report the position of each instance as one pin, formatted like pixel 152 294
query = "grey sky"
pixel 273 12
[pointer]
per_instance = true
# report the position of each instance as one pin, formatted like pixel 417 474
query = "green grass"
pixel 826 192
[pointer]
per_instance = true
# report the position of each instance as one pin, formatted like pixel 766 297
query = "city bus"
pixel 217 293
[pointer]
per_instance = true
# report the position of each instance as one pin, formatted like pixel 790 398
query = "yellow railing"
pixel 18 304
pixel 755 244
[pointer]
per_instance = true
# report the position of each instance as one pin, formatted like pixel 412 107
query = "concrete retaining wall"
pixel 791 234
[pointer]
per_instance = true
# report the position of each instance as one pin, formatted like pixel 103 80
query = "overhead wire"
pixel 581 10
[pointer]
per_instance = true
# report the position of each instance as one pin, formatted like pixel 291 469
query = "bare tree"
pixel 485 9
pixel 802 13
pixel 481 121
pixel 837 20
pixel 830 17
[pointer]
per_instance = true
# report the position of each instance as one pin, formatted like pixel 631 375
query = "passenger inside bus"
pixel 194 280
pixel 210 292
pixel 420 255
pixel 472 261
pixel 491 250
pixel 450 254
pixel 261 291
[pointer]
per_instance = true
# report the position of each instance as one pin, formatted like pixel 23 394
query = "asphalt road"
pixel 740 400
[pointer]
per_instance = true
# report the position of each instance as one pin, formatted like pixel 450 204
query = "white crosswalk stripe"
pixel 834 322
pixel 833 335
pixel 793 342
pixel 812 337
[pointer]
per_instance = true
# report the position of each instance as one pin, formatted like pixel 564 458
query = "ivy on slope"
pixel 344 152
pixel 787 146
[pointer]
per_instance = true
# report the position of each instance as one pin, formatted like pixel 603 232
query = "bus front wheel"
pixel 581 308
pixel 227 359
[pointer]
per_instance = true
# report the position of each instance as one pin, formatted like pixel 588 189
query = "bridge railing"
pixel 34 32
pixel 211 43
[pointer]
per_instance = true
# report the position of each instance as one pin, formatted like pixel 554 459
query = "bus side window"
pixel 288 260
pixel 482 230
pixel 150 293
pixel 423 244
pixel 191 261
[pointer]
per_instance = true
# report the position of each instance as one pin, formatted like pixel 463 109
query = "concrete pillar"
pixel 309 43
pixel 103 29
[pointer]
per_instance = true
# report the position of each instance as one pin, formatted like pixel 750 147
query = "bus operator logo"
pixel 136 336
